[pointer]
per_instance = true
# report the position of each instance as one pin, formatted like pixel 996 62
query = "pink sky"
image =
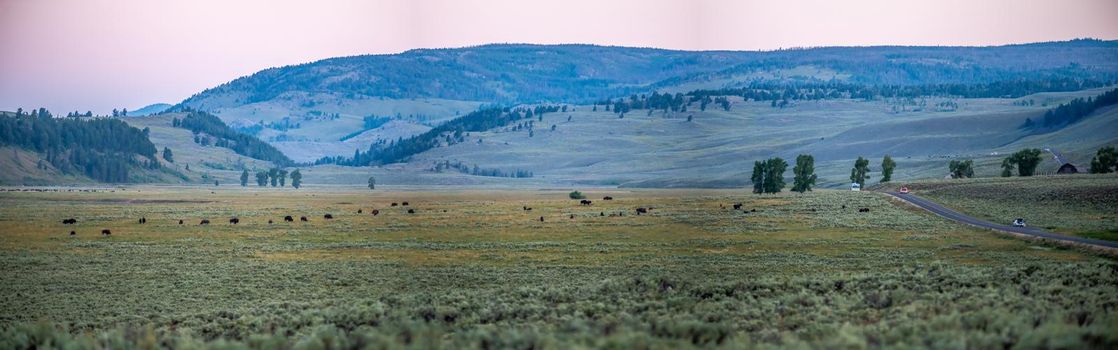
pixel 99 54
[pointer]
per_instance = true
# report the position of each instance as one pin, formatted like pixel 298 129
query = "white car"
pixel 1019 222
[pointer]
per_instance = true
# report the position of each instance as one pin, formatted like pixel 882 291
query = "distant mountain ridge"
pixel 151 109
pixel 526 73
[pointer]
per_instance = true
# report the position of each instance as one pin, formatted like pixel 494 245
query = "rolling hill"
pixel 327 99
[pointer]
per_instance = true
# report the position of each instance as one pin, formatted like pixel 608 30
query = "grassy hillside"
pixel 206 163
pixel 1083 205
pixel 326 100
pixel 717 148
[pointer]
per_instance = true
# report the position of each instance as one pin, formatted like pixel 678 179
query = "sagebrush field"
pixel 474 269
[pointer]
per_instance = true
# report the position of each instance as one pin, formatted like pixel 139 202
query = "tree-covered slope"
pixel 103 149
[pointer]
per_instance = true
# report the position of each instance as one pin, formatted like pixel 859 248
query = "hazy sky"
pixel 99 54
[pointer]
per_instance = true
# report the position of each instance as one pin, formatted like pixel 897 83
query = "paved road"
pixel 969 220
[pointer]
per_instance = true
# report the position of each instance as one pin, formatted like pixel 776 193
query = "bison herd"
pixel 374 212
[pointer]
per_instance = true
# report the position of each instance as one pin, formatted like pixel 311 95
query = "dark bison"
pixel 642 211
pixel 269 221
pixel 864 210
pixel 585 202
pixel 69 221
pixel 73 233
pixel 602 214
pixel 404 204
pixel 572 216
pixel 395 204
pixel 234 221
pixel 143 220
pixel 607 198
pixel 288 218
pixel 328 217
pixel 526 208
pixel 106 232
pixel 303 218
pixel 737 206
pixel 204 222
pixel 376 212
pixel 541 219
pixel 359 211
pixel 180 222
pixel 752 210
pixel 411 211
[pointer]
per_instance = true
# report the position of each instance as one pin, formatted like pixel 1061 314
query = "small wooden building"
pixel 1067 168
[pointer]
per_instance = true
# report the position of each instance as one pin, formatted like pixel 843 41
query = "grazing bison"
pixel 303 218
pixel 526 208
pixel 106 232
pixel 394 204
pixel 288 218
pixel 69 221
pixel 411 211
pixel 234 221
pixel 541 219
pixel 73 233
pixel 572 216
pixel 359 211
pixel 204 222
pixel 404 204
pixel 585 202
pixel 602 214
pixel 269 221
pixel 328 217
pixel 737 206
pixel 180 222
pixel 143 220
pixel 752 210
pixel 376 212
pixel 607 198
pixel 642 211
pixel 864 210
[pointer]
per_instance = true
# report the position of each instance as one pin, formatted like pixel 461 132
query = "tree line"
pixel 205 125
pixel 103 149
pixel 479 171
pixel 1068 113
pixel 768 175
pixel 781 91
pixel 277 177
pixel 402 149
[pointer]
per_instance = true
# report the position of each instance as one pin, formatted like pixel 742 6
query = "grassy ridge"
pixel 1082 205
pixel 472 269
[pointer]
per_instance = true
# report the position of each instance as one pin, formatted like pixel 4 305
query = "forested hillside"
pixel 103 149
pixel 210 129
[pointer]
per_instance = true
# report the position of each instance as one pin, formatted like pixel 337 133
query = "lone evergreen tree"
pixel 296 179
pixel 887 166
pixel 1105 161
pixel 804 173
pixel 1026 161
pixel 262 178
pixel 244 178
pixel 961 168
pixel 167 155
pixel 372 183
pixel 768 175
pixel 859 173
